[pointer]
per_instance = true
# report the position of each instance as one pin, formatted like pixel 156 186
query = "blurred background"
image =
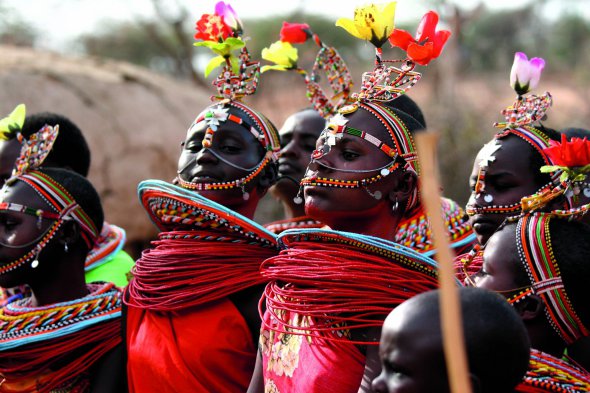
pixel 127 73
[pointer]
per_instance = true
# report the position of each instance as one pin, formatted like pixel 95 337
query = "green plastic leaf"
pixel 13 122
pixel 222 48
pixel 213 64
pixel 564 176
pixel 235 64
pixel 549 168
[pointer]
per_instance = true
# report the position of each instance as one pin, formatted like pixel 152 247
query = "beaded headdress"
pixel 386 82
pixel 221 32
pixel 536 254
pixel 327 62
pixel 519 117
pixel 64 206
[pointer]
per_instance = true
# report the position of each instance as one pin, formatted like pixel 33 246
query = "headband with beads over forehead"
pixel 519 116
pixel 221 32
pixel 536 254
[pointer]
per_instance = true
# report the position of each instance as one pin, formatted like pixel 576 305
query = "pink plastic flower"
pixel 428 43
pixel 229 16
pixel 525 73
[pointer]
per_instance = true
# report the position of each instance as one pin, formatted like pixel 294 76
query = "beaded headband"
pixel 221 32
pixel 33 153
pixel 536 254
pixel 327 62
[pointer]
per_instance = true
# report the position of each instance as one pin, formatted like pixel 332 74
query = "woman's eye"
pixel 230 149
pixel 349 155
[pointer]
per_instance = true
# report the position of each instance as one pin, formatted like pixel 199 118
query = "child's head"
pixel 412 354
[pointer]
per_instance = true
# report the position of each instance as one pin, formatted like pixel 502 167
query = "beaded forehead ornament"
pixel 385 83
pixel 536 254
pixel 525 110
pixel 327 62
pixel 33 153
pixel 221 32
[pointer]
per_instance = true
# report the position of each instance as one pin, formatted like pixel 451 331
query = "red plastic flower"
pixel 295 33
pixel 572 153
pixel 211 27
pixel 428 43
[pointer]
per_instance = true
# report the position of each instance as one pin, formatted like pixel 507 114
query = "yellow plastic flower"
pixel 283 54
pixel 373 22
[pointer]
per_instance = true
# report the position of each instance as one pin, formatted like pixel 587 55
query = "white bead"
pixel 488 198
pixel 34 264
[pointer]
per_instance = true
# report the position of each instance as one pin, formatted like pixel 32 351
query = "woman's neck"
pixel 62 286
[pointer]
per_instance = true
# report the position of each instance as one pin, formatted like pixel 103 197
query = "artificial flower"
pixel 229 16
pixel 427 44
pixel 211 27
pixel 295 33
pixel 283 54
pixel 373 22
pixel 12 123
pixel 572 153
pixel 525 73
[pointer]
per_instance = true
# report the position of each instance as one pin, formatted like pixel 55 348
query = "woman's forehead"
pixel 21 193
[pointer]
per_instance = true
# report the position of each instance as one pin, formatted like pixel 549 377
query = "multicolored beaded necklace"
pixel 36 341
pixel 547 373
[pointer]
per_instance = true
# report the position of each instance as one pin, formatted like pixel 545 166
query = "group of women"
pixel 220 303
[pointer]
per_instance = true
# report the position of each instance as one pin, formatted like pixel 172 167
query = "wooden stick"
pixel 451 323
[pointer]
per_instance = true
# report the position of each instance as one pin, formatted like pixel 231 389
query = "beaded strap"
pixel 62 202
pixel 536 253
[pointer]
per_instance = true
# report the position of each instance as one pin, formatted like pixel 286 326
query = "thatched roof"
pixel 132 118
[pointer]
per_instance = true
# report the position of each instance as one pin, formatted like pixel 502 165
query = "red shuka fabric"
pixel 207 348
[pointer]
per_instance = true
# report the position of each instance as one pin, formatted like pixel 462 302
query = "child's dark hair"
pixel 70 149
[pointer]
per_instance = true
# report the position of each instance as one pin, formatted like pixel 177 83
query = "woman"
pixel 540 264
pixel 507 168
pixel 192 306
pixel 330 291
pixel 66 334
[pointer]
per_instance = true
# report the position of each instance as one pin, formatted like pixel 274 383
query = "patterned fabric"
pixel 547 373
pixel 415 232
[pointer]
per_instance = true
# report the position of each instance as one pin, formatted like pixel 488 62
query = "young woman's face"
pixel 508 178
pixel 499 271
pixel 234 144
pixel 350 152
pixel 298 140
pixel 20 232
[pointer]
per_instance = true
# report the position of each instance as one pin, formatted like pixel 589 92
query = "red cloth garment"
pixel 201 349
pixel 295 363
pixel 184 334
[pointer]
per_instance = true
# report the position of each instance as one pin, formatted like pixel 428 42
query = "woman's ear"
pixel 69 233
pixel 530 308
pixel 267 178
pixel 406 183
